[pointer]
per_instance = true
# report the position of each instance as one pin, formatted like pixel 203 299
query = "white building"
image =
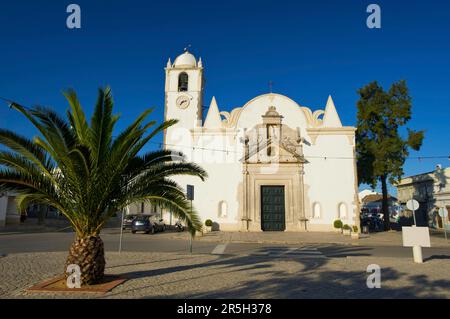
pixel 364 193
pixel 272 163
pixel 432 191
pixel 8 209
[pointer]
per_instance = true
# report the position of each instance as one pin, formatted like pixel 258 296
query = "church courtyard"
pixel 233 265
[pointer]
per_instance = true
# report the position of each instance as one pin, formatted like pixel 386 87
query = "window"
pixel 448 214
pixel 342 211
pixel 223 209
pixel 183 80
pixel 316 210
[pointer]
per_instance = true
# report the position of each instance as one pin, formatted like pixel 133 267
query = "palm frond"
pixel 77 117
pixel 81 170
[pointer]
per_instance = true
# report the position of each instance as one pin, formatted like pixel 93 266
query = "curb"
pixel 34 230
pixel 355 243
pixel 278 242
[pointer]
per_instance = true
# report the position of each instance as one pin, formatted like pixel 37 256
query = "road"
pixel 163 242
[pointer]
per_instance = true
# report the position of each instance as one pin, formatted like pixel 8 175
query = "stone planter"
pixel 355 235
pixel 347 232
pixel 208 229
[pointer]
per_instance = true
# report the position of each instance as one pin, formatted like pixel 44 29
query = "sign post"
pixel 416 237
pixel 190 196
pixel 121 231
pixel 443 212
pixel 413 205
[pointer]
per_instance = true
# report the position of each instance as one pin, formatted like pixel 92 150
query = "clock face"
pixel 183 101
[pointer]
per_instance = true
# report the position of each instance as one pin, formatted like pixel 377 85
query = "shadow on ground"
pixel 313 281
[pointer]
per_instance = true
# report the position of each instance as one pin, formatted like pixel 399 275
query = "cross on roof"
pixel 270 86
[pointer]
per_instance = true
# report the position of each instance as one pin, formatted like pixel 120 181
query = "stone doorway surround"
pixel 288 175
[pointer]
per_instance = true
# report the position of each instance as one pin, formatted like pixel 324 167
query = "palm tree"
pixel 88 175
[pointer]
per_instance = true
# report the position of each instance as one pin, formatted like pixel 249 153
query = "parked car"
pixel 127 220
pixel 374 222
pixel 147 224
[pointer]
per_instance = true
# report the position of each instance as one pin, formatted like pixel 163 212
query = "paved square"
pixel 283 274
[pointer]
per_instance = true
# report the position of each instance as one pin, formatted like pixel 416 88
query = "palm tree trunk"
pixel 89 254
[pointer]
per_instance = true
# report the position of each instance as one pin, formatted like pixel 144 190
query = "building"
pixel 141 208
pixel 364 193
pixel 273 164
pixel 8 209
pixel 432 191
pixel 375 201
pixel 372 203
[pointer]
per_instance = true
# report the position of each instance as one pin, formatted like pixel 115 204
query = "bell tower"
pixel 183 95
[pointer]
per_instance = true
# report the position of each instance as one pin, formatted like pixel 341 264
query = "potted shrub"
pixel 346 230
pixel 338 225
pixel 208 224
pixel 355 234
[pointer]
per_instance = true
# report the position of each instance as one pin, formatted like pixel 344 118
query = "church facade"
pixel 273 165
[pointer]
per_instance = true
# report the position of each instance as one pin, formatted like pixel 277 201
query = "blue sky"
pixel 309 49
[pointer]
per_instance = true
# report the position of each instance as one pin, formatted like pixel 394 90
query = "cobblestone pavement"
pixel 267 274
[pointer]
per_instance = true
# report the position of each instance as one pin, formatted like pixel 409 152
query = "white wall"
pixel 12 213
pixel 8 210
pixel 330 181
pixel 293 115
pixel 3 206
pixel 221 185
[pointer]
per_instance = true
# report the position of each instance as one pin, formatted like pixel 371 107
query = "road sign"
pixel 190 196
pixel 416 237
pixel 412 204
pixel 443 212
pixel 190 192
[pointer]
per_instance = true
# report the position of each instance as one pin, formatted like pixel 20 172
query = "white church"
pixel 273 164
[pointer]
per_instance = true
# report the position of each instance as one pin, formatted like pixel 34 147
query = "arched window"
pixel 316 210
pixel 223 209
pixel 342 211
pixel 183 80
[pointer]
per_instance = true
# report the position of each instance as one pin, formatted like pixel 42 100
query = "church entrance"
pixel 272 208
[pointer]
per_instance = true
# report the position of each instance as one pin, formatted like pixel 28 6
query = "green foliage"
pixel 346 227
pixel 208 223
pixel 355 228
pixel 381 150
pixel 338 224
pixel 88 175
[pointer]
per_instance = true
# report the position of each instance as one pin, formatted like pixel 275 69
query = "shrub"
pixel 208 223
pixel 338 224
pixel 346 227
pixel 355 229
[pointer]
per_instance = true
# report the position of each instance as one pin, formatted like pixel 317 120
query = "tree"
pixel 88 175
pixel 381 150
